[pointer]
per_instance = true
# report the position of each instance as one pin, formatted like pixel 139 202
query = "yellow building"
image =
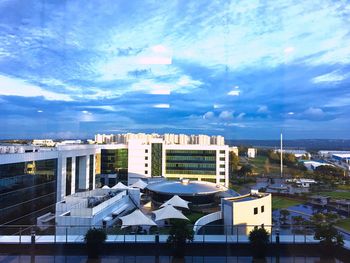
pixel 240 214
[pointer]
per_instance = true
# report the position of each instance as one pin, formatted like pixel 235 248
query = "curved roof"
pixel 190 188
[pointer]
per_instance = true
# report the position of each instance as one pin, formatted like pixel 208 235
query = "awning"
pixel 136 218
pixel 176 201
pixel 139 184
pixel 120 186
pixel 168 212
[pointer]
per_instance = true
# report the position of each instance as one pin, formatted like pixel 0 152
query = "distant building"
pixel 240 214
pixel 251 153
pixel 342 157
pixel 45 143
pixel 296 153
pixel 312 165
pixel 330 153
pixel 234 149
pixel 169 138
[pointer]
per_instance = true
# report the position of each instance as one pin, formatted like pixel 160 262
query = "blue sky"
pixel 242 69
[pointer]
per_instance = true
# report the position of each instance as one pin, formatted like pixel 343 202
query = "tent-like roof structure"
pixel 139 184
pixel 176 201
pixel 136 218
pixel 105 187
pixel 120 186
pixel 168 212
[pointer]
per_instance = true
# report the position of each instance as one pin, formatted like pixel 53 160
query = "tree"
pixel 180 233
pixel 94 239
pixel 246 170
pixel 233 164
pixel 328 235
pixel 259 239
pixel 283 216
pixel 267 166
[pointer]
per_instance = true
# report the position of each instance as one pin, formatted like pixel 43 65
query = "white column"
pixel 84 172
pixel 73 175
pixel 227 158
pixel 61 178
pixel 93 171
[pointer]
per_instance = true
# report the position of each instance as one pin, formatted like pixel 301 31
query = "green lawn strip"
pixel 279 202
pixel 345 224
pixel 343 187
pixel 336 195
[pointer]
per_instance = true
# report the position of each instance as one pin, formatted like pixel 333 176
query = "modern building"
pixel 240 214
pixel 33 178
pixel 32 182
pixel 251 152
pixel 169 138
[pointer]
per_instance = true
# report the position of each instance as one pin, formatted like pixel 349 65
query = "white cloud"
pixel 288 50
pixel 162 106
pixel 17 87
pixel 102 107
pixel 290 113
pixel 314 112
pixel 234 92
pixel 209 115
pixel 217 106
pixel 334 76
pixel 226 115
pixel 263 109
pixel 241 115
pixel 40 111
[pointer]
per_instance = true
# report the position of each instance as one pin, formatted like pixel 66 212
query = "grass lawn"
pixel 336 195
pixel 343 187
pixel 279 202
pixel 344 224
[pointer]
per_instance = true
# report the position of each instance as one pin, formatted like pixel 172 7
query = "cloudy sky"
pixel 242 69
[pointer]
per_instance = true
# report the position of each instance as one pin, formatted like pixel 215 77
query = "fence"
pixel 206 234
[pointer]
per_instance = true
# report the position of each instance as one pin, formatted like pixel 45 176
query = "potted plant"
pixel 259 239
pixel 180 233
pixel 94 238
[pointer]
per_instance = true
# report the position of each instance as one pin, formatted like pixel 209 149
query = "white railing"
pixel 206 220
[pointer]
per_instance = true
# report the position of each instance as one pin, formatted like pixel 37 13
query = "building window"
pixel 146 164
pixel 146 157
pixel 146 172
pixel 222 173
pixel 146 151
pixel 262 209
pixel 222 166
pixel 255 210
pixel 222 158
pixel 222 151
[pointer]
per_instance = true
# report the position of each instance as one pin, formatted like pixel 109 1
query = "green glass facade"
pixel 115 161
pixel 27 191
pixel 157 154
pixel 191 162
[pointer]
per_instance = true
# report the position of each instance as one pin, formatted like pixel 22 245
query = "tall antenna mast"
pixel 281 151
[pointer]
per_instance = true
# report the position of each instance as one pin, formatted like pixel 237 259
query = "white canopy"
pixel 176 201
pixel 136 218
pixel 105 187
pixel 168 212
pixel 120 186
pixel 139 184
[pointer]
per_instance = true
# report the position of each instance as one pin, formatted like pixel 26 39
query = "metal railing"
pixel 25 234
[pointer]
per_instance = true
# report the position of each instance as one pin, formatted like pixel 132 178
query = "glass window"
pixel 255 210
pixel 262 209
